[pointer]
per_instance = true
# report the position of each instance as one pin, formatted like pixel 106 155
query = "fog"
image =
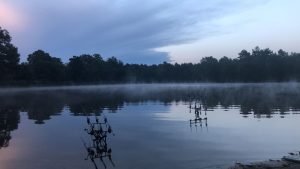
pixel 258 98
pixel 140 89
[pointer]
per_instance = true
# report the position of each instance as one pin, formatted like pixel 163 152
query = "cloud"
pixel 130 30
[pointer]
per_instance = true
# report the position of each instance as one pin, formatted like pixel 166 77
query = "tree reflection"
pixel 40 106
pixel 9 120
pixel 258 101
pixel 91 103
pixel 252 100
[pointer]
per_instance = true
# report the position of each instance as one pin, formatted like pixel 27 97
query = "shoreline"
pixel 283 163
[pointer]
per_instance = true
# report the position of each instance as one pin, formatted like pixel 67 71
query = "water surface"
pixel 153 125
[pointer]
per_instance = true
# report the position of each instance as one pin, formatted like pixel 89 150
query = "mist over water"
pixel 154 125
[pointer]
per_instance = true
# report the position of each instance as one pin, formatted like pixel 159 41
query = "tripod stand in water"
pixel 98 131
pixel 199 118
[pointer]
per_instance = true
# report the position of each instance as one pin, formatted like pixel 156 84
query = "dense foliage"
pixel 9 57
pixel 260 65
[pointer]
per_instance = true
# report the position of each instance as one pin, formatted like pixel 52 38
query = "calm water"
pixel 153 126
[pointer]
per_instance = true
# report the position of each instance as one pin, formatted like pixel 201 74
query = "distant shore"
pixel 130 85
pixel 70 84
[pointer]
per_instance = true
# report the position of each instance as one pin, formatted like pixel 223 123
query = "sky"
pixel 151 31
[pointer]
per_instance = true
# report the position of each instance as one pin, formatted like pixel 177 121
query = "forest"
pixel 258 65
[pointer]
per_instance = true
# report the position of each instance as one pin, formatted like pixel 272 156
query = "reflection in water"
pixel 199 117
pixel 257 100
pixel 9 119
pixel 142 136
pixel 260 101
pixel 99 148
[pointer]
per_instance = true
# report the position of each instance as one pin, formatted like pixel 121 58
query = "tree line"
pixel 259 65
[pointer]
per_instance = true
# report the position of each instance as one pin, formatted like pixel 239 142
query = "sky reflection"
pixel 151 130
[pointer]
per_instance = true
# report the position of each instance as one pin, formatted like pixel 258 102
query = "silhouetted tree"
pixel 114 70
pixel 86 68
pixel 228 69
pixel 45 68
pixel 259 65
pixel 9 57
pixel 209 69
pixel 24 73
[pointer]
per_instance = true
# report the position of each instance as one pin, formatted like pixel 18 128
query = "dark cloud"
pixel 129 30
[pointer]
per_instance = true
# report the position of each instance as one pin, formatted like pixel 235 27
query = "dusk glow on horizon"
pixel 9 16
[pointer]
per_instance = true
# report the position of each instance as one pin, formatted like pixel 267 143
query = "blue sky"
pixel 153 31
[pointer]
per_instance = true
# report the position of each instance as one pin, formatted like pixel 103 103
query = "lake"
pixel 147 126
